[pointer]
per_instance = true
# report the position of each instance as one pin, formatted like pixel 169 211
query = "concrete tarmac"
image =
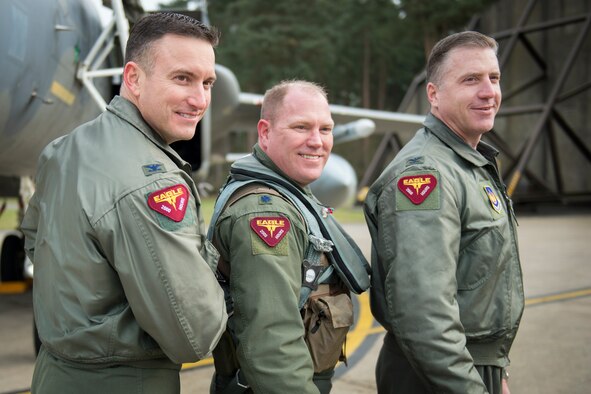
pixel 551 355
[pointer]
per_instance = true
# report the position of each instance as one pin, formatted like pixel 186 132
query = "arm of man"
pixel 29 227
pixel 265 284
pixel 419 248
pixel 171 289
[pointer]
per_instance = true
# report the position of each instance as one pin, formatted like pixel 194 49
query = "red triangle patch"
pixel 171 202
pixel 270 229
pixel 417 187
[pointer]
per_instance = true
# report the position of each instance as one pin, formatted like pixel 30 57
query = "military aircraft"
pixel 60 62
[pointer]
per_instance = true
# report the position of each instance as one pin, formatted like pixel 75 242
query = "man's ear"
pixel 263 128
pixel 133 77
pixel 432 94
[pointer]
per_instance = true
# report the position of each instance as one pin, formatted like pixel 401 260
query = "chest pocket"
pixel 479 260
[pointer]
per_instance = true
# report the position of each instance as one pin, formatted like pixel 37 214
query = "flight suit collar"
pixel 481 156
pixel 127 111
pixel 261 156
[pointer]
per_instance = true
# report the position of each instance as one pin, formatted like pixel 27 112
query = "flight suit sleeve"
pixel 29 227
pixel 162 265
pixel 419 247
pixel 265 282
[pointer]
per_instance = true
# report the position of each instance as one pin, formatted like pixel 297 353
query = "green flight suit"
pixel 446 280
pixel 124 289
pixel 265 284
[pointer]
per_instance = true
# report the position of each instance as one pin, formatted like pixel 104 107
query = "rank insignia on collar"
pixel 417 187
pixel 492 197
pixel 270 229
pixel 171 202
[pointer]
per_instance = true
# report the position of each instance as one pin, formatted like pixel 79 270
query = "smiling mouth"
pixel 310 157
pixel 188 116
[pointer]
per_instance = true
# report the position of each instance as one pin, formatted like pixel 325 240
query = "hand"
pixel 505 386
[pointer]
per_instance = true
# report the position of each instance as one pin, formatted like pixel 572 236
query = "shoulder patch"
pixel 153 168
pixel 415 161
pixel 417 187
pixel 171 202
pixel 265 199
pixel 270 229
pixel 417 190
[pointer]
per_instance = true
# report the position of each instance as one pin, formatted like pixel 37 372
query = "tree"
pixel 366 52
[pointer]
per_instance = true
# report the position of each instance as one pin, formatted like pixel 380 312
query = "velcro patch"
pixel 495 203
pixel 153 168
pixel 417 187
pixel 171 202
pixel 270 229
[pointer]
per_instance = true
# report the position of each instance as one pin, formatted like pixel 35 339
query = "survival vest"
pixel 325 234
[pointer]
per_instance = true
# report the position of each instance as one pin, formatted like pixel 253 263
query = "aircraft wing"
pixel 246 114
pixel 385 121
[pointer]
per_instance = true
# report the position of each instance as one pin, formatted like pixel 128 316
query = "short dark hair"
pixel 458 40
pixel 154 26
pixel 273 97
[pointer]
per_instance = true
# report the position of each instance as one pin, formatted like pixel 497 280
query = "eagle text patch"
pixel 171 202
pixel 418 190
pixel 270 229
pixel 417 187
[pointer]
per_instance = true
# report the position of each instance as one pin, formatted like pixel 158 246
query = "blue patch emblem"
pixel 265 199
pixel 415 160
pixel 494 200
pixel 154 168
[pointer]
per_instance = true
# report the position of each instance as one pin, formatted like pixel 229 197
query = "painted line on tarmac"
pixel 568 295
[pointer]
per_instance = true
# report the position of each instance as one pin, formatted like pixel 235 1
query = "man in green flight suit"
pixel 266 251
pixel 446 281
pixel 124 287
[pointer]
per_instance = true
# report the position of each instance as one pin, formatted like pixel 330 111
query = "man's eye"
pixel 182 78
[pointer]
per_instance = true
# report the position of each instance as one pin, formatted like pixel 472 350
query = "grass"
pixel 9 218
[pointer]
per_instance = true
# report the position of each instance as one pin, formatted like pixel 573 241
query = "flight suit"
pixel 265 281
pixel 446 275
pixel 124 286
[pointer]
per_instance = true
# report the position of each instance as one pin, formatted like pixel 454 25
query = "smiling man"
pixel 123 289
pixel 446 282
pixel 291 310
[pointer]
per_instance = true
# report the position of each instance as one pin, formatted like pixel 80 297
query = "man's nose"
pixel 488 88
pixel 314 137
pixel 199 98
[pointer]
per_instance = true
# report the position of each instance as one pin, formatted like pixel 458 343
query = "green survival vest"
pixel 324 233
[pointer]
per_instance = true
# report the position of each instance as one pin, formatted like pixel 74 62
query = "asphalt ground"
pixel 552 352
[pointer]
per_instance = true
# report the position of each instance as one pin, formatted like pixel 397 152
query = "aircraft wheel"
pixel 12 259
